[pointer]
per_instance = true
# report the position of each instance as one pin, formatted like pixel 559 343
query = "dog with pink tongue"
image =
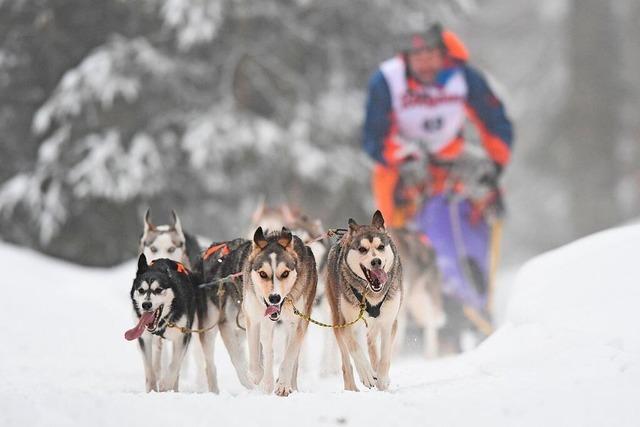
pixel 279 272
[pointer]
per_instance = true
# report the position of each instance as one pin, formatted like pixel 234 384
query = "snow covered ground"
pixel 568 353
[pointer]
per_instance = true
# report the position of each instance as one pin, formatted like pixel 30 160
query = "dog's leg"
pixel 253 336
pixel 284 386
pixel 207 342
pixel 145 343
pixel 170 381
pixel 403 318
pixel 372 345
pixel 235 348
pixel 387 333
pixel 433 322
pixel 365 371
pixel 266 340
pixel 157 344
pixel 347 369
pixel 294 379
pixel 430 334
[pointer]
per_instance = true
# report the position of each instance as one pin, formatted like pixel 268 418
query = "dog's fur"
pixel 172 296
pixel 357 262
pixel 278 267
pixel 169 241
pixel 222 301
pixel 423 287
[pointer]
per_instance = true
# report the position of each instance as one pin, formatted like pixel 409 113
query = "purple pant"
pixel 446 222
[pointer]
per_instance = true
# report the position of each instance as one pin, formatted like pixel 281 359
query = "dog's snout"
pixel 275 299
pixel 376 263
pixel 146 305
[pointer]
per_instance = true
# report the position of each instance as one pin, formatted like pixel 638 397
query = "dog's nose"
pixel 274 298
pixel 146 305
pixel 376 263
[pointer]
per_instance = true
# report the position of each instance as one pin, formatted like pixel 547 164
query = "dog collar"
pixel 372 310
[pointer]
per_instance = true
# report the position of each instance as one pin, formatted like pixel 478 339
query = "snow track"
pixel 567 354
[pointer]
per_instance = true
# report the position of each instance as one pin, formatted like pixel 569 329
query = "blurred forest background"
pixel 110 106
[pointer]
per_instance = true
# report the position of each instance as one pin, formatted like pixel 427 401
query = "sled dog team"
pixel 254 287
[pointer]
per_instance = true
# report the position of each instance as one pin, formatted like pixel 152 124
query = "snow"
pixel 196 22
pixel 105 75
pixel 111 171
pixel 567 353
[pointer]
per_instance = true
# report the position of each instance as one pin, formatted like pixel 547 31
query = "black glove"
pixel 413 171
pixel 491 177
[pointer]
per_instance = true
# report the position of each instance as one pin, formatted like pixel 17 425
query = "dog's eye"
pixel 157 291
pixel 363 250
pixel 263 275
pixel 285 274
pixel 141 290
pixel 154 249
pixel 381 248
pixel 171 249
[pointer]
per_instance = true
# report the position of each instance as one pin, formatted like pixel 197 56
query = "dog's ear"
pixel 148 226
pixel 353 225
pixel 173 268
pixel 285 237
pixel 259 239
pixel 288 214
pixel 259 211
pixel 142 264
pixel 177 225
pixel 378 220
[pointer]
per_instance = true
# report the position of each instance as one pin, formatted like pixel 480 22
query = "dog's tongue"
pixel 380 275
pixel 137 331
pixel 272 309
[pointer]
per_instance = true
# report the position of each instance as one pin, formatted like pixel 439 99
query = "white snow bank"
pixel 568 353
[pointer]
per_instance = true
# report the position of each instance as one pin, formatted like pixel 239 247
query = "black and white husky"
pixel 164 300
pixel 170 241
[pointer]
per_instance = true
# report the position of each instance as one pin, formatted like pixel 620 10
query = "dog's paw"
pixel 255 375
pixel 166 385
pixel 266 386
pixel 283 389
pixel 351 387
pixel 368 378
pixel 151 385
pixel 243 377
pixel 383 383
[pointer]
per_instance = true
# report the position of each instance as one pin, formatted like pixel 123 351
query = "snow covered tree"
pixel 206 106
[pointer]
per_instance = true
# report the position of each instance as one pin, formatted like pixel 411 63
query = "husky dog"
pixel 279 269
pixel 364 264
pixel 164 299
pixel 169 241
pixel 301 225
pixel 422 281
pixel 308 229
pixel 223 298
pixel 267 217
